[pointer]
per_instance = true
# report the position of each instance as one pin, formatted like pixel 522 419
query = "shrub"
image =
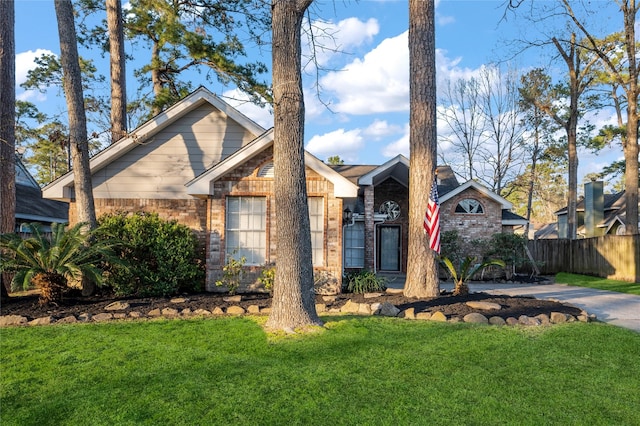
pixel 267 276
pixel 365 281
pixel 468 268
pixel 232 274
pixel 509 248
pixel 50 262
pixel 163 255
pixel 451 245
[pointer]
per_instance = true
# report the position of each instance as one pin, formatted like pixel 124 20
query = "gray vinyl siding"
pixel 163 163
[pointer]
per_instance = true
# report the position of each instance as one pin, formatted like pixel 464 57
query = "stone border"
pixel 382 309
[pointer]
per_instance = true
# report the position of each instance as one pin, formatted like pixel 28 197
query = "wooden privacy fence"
pixel 611 256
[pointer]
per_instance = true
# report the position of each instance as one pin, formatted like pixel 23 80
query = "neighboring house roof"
pixel 23 177
pixel 200 186
pixel 352 172
pixel 611 202
pixel 510 218
pixel 61 189
pixel 548 231
pixel 31 207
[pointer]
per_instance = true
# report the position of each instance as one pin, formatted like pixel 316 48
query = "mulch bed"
pixel 451 306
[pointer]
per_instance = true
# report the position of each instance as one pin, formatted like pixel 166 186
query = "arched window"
pixel 266 171
pixel 469 206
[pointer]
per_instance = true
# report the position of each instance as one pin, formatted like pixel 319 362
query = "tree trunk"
pixel 78 141
pixel 117 61
pixel 77 117
pixel 422 269
pixel 631 142
pixel 7 125
pixel 293 303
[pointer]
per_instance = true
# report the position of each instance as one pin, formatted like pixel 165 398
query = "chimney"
pixel 593 208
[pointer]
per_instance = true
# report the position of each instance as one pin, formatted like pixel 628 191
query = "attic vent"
pixel 266 171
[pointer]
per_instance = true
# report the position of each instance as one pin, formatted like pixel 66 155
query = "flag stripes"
pixel 432 219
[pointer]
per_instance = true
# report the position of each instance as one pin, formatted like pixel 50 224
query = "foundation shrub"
pixel 163 256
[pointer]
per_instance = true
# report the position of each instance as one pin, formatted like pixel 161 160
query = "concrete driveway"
pixel 618 309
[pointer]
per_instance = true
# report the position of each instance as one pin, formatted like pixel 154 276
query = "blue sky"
pixel 367 82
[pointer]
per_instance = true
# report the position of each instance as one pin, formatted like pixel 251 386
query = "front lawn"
pixel 597 282
pixel 359 370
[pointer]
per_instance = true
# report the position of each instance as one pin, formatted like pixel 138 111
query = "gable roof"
pixel 611 202
pixel 480 188
pixel 200 186
pixel 60 188
pixel 31 207
pixel 397 167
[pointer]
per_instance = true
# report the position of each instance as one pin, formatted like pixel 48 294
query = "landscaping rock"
pixel 178 300
pixel 201 312
pixel 526 320
pixel 84 317
pixel 558 318
pixel 372 295
pixel 136 314
pixel 41 321
pixel 388 310
pixel 233 299
pixel 217 311
pixel 105 316
pixel 475 318
pixel 170 312
pixel 321 307
pixel 483 306
pixel 67 320
pixel 265 311
pixel 329 299
pixel 364 309
pixel 512 321
pixel 394 291
pixel 375 307
pixel 408 313
pixel 253 309
pixel 423 316
pixel 155 312
pixel 438 316
pixel 350 307
pixel 117 306
pixel 119 315
pixel 235 310
pixel 544 319
pixel 497 321
pixel 8 320
pixel 186 312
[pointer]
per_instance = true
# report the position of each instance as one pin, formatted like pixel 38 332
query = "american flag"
pixel 432 219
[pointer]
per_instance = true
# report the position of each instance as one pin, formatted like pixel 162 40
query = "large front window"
pixel 354 245
pixel 246 229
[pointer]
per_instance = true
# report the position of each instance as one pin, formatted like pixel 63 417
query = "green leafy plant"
pixel 468 268
pixel 267 276
pixel 365 281
pixel 507 247
pixel 50 262
pixel 232 274
pixel 164 255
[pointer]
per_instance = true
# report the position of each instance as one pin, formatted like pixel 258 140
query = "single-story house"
pixel 208 166
pixel 31 207
pixel 597 214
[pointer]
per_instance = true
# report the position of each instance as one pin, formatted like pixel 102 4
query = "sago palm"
pixel 467 270
pixel 50 262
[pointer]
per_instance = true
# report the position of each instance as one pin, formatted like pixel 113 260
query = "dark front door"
pixel 389 248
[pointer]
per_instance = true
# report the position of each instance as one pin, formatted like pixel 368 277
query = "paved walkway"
pixel 619 309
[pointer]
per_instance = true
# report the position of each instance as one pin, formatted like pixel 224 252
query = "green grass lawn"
pixel 356 371
pixel 599 283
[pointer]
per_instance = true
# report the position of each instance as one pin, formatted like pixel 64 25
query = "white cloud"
pixel 345 144
pixel 335 39
pixel 377 83
pixel 240 101
pixel 400 146
pixel 25 63
pixel 381 128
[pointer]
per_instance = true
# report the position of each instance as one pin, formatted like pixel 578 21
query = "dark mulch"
pixel 451 306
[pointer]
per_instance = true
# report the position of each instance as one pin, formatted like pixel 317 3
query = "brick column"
pixel 369 228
